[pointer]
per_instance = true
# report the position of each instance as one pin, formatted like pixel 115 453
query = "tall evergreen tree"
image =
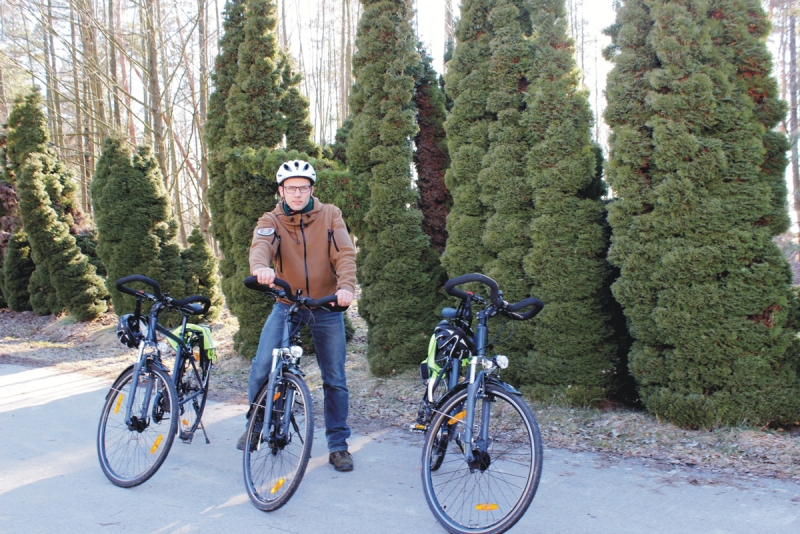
pixel 468 83
pixel 137 231
pixel 576 355
pixel 397 268
pixel 252 96
pixel 77 286
pixel 431 157
pixel 705 290
pixel 201 273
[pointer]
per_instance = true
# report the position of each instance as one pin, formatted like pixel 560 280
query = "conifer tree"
pixel 17 270
pixel 705 290
pixel 77 286
pixel 576 354
pixel 397 268
pixel 202 278
pixel 249 95
pixel 137 231
pixel 468 83
pixel 431 157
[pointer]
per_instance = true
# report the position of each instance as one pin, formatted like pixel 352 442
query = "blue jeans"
pixel 327 330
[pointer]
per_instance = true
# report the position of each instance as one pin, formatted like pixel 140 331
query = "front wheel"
pixel 131 452
pixel 276 460
pixel 491 493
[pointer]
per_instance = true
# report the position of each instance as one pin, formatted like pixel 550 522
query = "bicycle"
pixel 137 425
pixel 482 457
pixel 280 428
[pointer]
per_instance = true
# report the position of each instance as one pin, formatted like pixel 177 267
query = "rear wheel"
pixel 275 462
pixel 491 493
pixel 130 453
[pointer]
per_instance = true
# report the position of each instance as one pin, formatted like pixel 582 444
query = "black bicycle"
pixel 280 427
pixel 482 457
pixel 147 407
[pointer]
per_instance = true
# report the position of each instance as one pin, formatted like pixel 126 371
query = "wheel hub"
pixel 481 460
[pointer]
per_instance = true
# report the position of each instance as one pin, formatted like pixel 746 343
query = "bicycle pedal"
pixel 416 427
pixel 186 437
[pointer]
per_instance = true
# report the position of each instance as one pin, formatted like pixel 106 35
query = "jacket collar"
pixel 294 220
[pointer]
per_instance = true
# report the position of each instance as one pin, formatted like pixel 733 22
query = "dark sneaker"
pixel 341 460
pixel 242 441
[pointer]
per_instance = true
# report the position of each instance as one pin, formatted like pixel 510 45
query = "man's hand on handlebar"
pixel 265 276
pixel 344 297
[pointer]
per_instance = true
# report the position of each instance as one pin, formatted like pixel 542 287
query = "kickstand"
pixel 203 427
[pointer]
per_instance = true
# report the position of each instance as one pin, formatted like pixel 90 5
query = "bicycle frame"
pixel 282 359
pixel 150 341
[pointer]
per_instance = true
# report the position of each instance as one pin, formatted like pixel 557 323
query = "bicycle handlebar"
pixel 251 282
pixel 507 309
pixel 186 305
pixel 120 284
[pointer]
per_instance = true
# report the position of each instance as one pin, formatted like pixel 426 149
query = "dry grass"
pixel 391 402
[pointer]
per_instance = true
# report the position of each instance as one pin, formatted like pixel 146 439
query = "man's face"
pixel 296 192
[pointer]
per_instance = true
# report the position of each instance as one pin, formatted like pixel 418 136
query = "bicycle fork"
pixel 141 422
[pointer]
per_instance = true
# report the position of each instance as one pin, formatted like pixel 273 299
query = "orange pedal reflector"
pixel 486 507
pixel 277 486
pixel 276 396
pixel 457 418
pixel 185 422
pixel 119 402
pixel 156 444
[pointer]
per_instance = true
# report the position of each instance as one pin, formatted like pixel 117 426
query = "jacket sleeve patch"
pixel 265 231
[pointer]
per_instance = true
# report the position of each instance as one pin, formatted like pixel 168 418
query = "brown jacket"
pixel 312 252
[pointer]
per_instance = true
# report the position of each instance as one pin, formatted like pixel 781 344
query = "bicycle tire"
pixel 191 412
pixel 272 473
pixel 130 457
pixel 492 495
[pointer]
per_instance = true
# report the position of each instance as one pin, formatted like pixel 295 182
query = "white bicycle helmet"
pixel 296 169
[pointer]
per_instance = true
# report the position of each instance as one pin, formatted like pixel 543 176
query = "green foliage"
pixel 17 269
pixel 705 289
pixel 135 223
pixel 469 81
pixel 27 134
pixel 202 278
pixel 254 104
pixel 398 270
pixel 77 286
pixel 87 242
pixel 576 353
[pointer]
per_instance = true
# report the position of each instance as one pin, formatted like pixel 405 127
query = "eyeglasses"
pixel 291 189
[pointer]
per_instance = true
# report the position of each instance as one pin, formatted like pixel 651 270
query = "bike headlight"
pixel 502 361
pixel 296 351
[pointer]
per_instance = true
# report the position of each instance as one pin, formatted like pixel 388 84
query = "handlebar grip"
pixel 205 301
pixel 251 282
pixel 524 303
pixel 450 286
pixel 120 285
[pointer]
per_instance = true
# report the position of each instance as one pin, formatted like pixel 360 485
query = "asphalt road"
pixel 50 480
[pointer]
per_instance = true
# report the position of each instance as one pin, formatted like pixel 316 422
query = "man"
pixel 307 243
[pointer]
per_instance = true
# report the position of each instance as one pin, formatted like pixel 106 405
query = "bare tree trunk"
pixel 793 112
pixel 88 154
pixel 89 38
pixel 86 203
pixel 205 219
pixel 3 101
pixel 154 86
pixel 59 139
pixel 112 63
